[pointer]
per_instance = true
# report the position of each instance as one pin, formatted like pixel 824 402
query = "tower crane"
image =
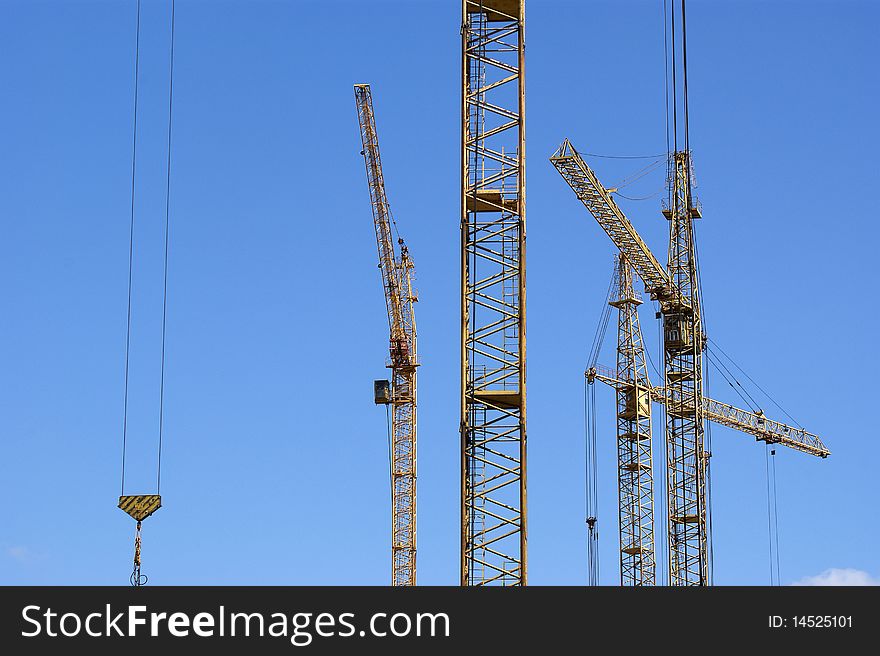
pixel 683 338
pixel 400 393
pixel 635 473
pixel 493 283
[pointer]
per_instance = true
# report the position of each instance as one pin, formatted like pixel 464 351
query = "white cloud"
pixel 836 576
pixel 19 553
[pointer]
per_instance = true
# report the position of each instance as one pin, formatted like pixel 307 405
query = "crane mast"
pixel 683 343
pixel 635 475
pixel 397 273
pixel 676 288
pixel 635 394
pixel 493 392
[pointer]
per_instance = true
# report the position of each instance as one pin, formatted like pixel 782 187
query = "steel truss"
pixel 493 396
pixel 635 473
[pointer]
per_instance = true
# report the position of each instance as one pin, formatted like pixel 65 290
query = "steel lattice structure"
pixel 683 343
pixel 676 288
pixel 397 273
pixel 752 423
pixel 493 393
pixel 635 476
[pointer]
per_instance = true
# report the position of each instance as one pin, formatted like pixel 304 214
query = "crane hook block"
pixel 140 506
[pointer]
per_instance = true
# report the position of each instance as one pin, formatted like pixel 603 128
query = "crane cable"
pixel 591 487
pixel 772 513
pixel 752 380
pixel 602 326
pixel 137 578
pixel 591 469
pixel 131 242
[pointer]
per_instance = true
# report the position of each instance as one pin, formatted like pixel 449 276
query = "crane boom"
pixel 752 423
pixel 388 263
pixel 597 199
pixel 397 273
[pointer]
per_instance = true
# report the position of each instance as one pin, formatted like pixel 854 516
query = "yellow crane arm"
pixel 753 423
pixel 388 263
pixel 597 199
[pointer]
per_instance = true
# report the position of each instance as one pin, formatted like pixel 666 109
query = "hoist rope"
pixel 684 59
pixel 772 513
pixel 602 327
pixel 591 487
pixel 674 85
pixel 131 253
pixel 165 272
pixel 131 241
pixel 666 77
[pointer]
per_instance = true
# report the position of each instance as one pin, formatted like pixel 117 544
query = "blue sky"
pixel 275 463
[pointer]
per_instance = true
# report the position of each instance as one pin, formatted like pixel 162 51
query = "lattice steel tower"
pixel 493 392
pixel 397 272
pixel 683 343
pixel 635 476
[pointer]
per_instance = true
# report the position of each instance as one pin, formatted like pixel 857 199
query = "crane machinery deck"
pixel 399 393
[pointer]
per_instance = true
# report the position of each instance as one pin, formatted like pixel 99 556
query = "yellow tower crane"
pixel 494 526
pixel 399 393
pixel 686 521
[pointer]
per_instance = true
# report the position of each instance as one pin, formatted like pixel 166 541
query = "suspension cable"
pixel 666 76
pixel 638 175
pixel 602 326
pixel 165 273
pixel 591 487
pixel 137 51
pixel 674 84
pixel 728 376
pixel 622 156
pixel 684 58
pixel 752 380
pixel 772 513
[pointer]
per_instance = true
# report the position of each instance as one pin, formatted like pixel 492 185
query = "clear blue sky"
pixel 275 462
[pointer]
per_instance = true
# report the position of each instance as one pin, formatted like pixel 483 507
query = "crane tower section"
pixel 493 393
pixel 635 473
pixel 683 342
pixel 397 273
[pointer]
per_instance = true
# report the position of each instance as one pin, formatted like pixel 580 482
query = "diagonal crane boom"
pixel 397 273
pixel 724 414
pixel 598 201
pixel 676 289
